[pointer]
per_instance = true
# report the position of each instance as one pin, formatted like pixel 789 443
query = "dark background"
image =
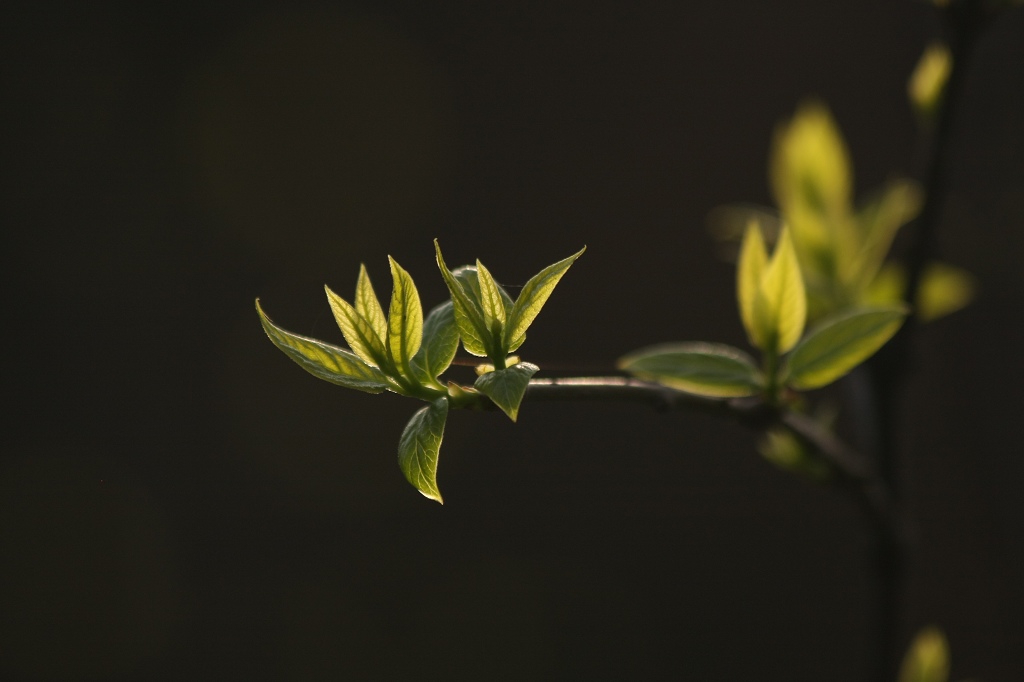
pixel 179 501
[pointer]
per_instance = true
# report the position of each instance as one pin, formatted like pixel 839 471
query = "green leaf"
pixel 944 289
pixel 780 306
pixel 440 342
pixel 749 272
pixel 492 304
pixel 533 297
pixel 506 387
pixel 879 220
pixel 709 369
pixel 362 338
pixel 419 446
pixel 927 660
pixel 469 279
pixel 468 315
pixel 405 318
pixel 928 81
pixel 840 343
pixel 368 305
pixel 323 360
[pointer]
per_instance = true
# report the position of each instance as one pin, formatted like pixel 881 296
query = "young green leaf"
pixel 780 307
pixel 405 319
pixel 358 332
pixel 440 342
pixel 533 297
pixel 468 315
pixel 928 658
pixel 749 273
pixel 419 446
pixel 368 305
pixel 840 343
pixel 506 387
pixel 491 301
pixel 323 360
pixel 709 369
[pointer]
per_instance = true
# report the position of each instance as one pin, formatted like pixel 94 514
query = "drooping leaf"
pixel 368 305
pixel 506 387
pixel 492 303
pixel 749 273
pixel 840 343
pixel 709 369
pixel 780 306
pixel 323 360
pixel 468 315
pixel 359 333
pixel 419 446
pixel 533 297
pixel 405 318
pixel 927 660
pixel 440 342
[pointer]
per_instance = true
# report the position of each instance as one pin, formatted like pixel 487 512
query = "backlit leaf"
pixel 368 305
pixel 405 318
pixel 323 360
pixel 927 660
pixel 781 303
pixel 491 302
pixel 928 81
pixel 506 387
pixel 419 446
pixel 749 273
pixel 362 338
pixel 533 297
pixel 840 343
pixel 708 369
pixel 468 315
pixel 440 342
pixel 944 289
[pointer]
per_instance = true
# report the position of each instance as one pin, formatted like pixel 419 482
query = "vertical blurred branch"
pixel 963 21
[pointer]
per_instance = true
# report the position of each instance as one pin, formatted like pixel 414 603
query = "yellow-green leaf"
pixel 709 369
pixel 440 342
pixel 749 273
pixel 492 302
pixel 840 343
pixel 944 289
pixel 927 660
pixel 323 360
pixel 362 338
pixel 368 305
pixel 419 446
pixel 810 167
pixel 780 306
pixel 405 318
pixel 468 315
pixel 532 298
pixel 928 81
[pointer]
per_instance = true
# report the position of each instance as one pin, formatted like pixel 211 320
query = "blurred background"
pixel 179 501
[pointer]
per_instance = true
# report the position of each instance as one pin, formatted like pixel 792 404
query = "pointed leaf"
pixel 506 387
pixel 405 318
pixel 749 273
pixel 840 343
pixel 368 305
pixel 533 297
pixel 468 315
pixel 780 308
pixel 470 280
pixel 362 338
pixel 928 658
pixel 323 360
pixel 491 302
pixel 419 446
pixel 440 342
pixel 709 369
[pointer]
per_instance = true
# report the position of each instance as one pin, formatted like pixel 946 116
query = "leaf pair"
pixel 492 325
pixel 772 306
